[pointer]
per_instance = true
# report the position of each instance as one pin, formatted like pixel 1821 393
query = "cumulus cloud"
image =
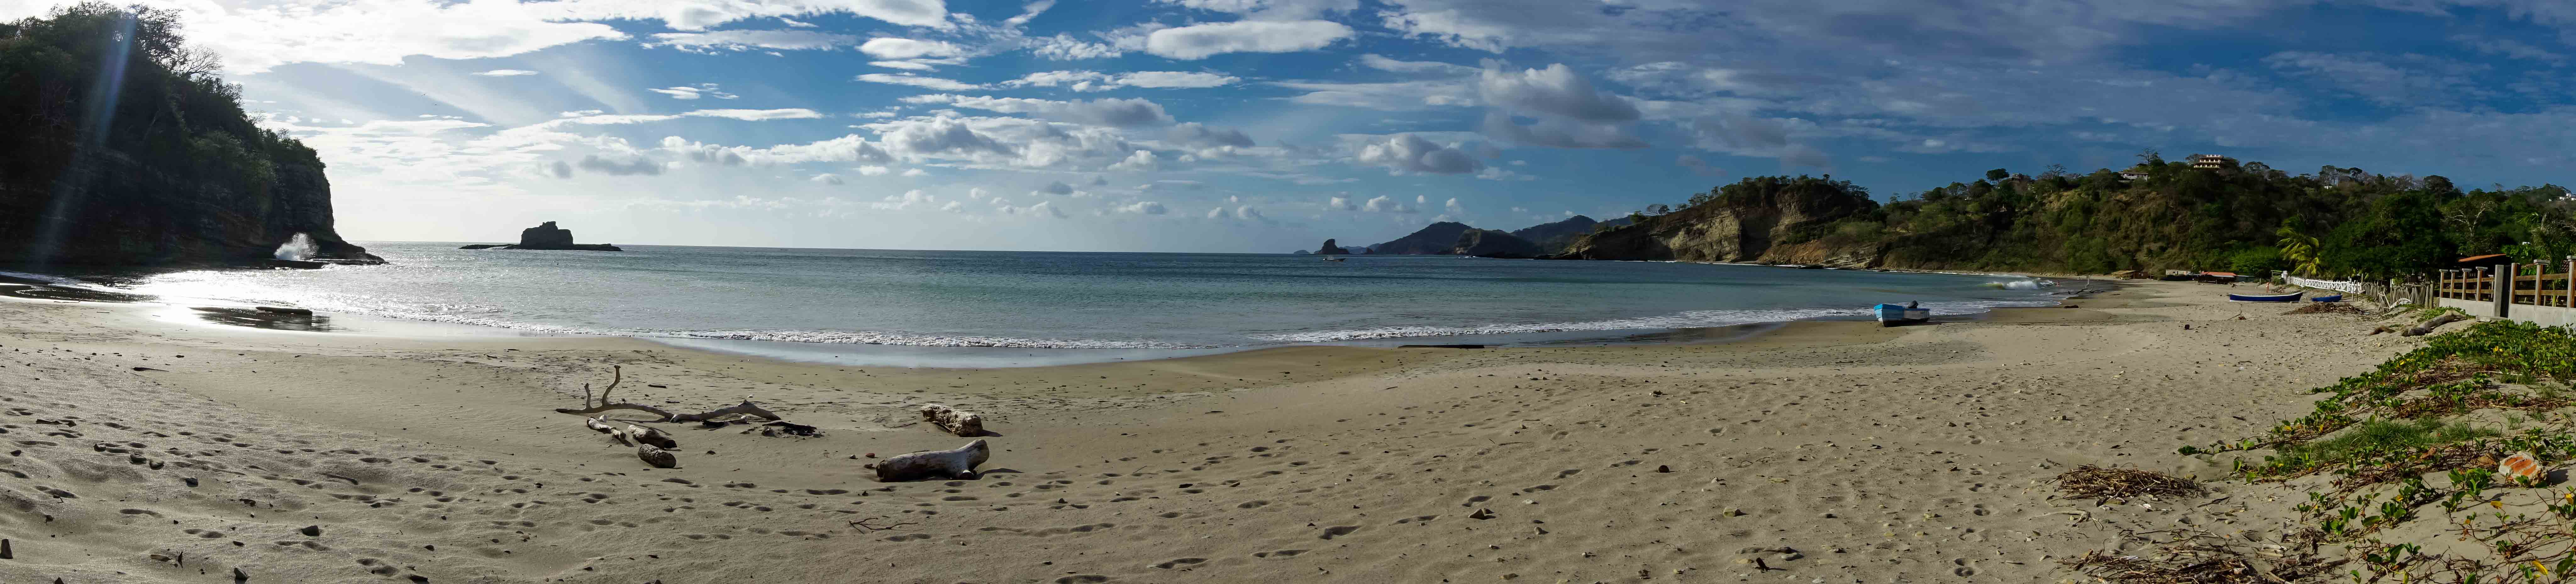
pixel 639 166
pixel 1120 113
pixel 1143 207
pixel 698 15
pixel 827 178
pixel 1383 204
pixel 1202 40
pixel 874 170
pixel 1054 188
pixel 1340 204
pixel 560 169
pixel 1411 153
pixel 505 73
pixel 1568 111
pixel 914 172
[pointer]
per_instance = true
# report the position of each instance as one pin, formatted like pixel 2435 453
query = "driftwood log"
pixel 657 457
pixel 954 463
pixel 955 421
pixel 617 374
pixel 2428 326
pixel 655 437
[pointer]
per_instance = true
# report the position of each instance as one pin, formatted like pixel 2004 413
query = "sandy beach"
pixel 146 447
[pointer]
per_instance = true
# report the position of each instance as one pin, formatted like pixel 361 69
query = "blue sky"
pixel 1269 125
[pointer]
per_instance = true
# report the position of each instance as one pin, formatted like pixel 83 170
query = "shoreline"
pixel 236 314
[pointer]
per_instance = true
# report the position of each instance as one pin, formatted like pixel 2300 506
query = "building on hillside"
pixel 2211 161
pixel 2134 173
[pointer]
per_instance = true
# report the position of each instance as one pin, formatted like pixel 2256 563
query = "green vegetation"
pixel 2251 218
pixel 2396 454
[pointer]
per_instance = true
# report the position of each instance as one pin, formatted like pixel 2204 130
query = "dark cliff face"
pixel 145 161
pixel 1773 220
pixel 107 209
pixel 1433 239
pixel 1329 248
pixel 546 235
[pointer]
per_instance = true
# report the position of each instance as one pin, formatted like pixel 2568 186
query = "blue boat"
pixel 1892 315
pixel 2290 297
pixel 2334 298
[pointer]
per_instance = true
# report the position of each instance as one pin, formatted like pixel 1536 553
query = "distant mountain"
pixel 1494 244
pixel 1555 237
pixel 1435 239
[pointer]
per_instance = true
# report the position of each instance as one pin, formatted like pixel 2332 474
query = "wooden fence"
pixel 2529 284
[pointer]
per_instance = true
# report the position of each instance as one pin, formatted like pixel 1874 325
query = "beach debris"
pixel 5 553
pixel 617 374
pixel 2203 558
pixel 285 310
pixel 953 420
pixel 652 436
pixel 238 576
pixel 957 463
pixel 2326 308
pixel 657 457
pixel 2102 484
pixel 2428 326
pixel 778 427
pixel 311 531
pixel 2521 467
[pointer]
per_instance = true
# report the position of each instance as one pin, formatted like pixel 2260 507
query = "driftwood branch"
pixel 953 420
pixel 2429 325
pixel 592 406
pixel 657 457
pixel 954 463
pixel 870 524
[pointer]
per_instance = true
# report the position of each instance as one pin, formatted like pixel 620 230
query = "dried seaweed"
pixel 2102 484
pixel 2326 308
pixel 2202 559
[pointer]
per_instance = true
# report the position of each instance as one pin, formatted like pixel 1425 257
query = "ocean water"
pixel 913 307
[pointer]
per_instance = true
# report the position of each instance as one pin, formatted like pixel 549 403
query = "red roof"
pixel 2220 274
pixel 2481 257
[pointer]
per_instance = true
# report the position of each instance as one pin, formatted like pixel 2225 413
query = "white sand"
pixel 1908 454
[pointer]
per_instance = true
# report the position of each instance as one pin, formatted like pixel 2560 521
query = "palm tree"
pixel 2300 250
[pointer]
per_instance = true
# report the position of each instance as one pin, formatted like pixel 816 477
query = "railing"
pixel 2526 284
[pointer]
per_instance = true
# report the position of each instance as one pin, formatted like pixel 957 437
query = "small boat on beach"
pixel 1892 315
pixel 2290 297
pixel 2334 298
pixel 1329 259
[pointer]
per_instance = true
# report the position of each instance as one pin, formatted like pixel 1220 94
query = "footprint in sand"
pixel 1179 562
pixel 1251 504
pixel 1339 530
pixel 1082 579
pixel 1278 553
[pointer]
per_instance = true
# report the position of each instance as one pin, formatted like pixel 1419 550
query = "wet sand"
pixel 1833 451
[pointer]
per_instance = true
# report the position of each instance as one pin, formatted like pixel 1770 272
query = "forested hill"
pixel 2249 218
pixel 122 146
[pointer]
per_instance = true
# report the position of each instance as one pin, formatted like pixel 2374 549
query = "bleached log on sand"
pixel 2428 326
pixel 657 457
pixel 955 421
pixel 650 436
pixel 954 463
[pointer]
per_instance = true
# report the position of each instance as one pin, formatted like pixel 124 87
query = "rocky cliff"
pixel 1771 219
pixel 1329 249
pixel 546 236
pixel 161 167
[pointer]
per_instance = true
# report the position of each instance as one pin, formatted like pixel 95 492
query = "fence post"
pixel 2502 283
pixel 2569 301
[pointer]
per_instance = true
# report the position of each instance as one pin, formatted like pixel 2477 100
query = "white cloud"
pixel 1383 204
pixel 918 81
pixel 506 73
pixel 700 14
pixel 638 166
pixel 1054 188
pixel 1203 40
pixel 914 172
pixel 1140 161
pixel 1382 63
pixel 873 170
pixel 694 92
pixel 827 178
pixel 252 39
pixel 900 48
pixel 744 40
pixel 1097 81
pixel 906 65
pixel 1411 153
pixel 1121 113
pixel 757 115
pixel 1143 207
